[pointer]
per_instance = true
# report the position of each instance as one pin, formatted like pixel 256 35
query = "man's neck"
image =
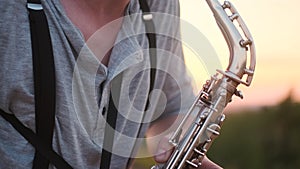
pixel 90 15
pixel 113 7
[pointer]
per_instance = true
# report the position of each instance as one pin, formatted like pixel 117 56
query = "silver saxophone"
pixel 191 145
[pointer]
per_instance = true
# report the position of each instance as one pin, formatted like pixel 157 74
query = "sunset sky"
pixel 275 27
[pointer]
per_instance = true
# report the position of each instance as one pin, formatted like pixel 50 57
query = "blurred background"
pixel 275 28
pixel 262 130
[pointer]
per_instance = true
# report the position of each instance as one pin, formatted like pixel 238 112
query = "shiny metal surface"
pixel 194 143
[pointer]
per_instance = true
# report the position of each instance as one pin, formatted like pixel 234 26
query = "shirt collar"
pixel 127 50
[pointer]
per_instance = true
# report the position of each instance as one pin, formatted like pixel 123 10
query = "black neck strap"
pixel 44 79
pixel 114 99
pixel 150 32
pixel 44 92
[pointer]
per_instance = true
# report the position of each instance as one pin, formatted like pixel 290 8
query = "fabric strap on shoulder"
pixel 44 79
pixel 114 99
pixel 44 92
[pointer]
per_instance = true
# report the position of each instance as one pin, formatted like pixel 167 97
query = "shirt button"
pixel 103 111
pixel 139 57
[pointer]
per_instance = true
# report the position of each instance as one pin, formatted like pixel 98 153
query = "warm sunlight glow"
pixel 275 29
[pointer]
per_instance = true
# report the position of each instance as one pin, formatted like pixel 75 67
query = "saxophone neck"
pixel 239 41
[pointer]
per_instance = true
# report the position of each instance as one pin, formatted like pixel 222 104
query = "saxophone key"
pixel 249 71
pixel 206 145
pixel 233 16
pixel 203 115
pixel 226 5
pixel 221 119
pixel 213 130
pixel 200 153
pixel 204 150
pixel 239 94
pixel 198 123
pixel 200 158
pixel 245 43
pixel 173 143
pixel 192 164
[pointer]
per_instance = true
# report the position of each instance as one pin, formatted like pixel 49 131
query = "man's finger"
pixel 207 164
pixel 164 151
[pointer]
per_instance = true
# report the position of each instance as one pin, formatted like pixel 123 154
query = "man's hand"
pixel 164 151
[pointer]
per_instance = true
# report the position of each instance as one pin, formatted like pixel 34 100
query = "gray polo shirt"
pixel 83 84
